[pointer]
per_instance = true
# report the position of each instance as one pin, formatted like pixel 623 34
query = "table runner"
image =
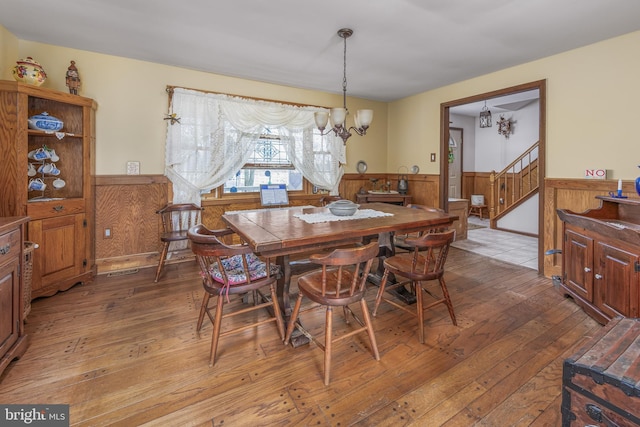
pixel 269 209
pixel 328 216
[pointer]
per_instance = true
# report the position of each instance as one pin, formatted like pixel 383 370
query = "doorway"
pixel 446 131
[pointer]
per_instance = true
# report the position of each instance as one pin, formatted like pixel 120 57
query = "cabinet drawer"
pixel 9 246
pixel 41 210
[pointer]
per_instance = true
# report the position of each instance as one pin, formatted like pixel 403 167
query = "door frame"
pixel 459 158
pixel 541 85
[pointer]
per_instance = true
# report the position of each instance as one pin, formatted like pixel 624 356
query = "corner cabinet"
pixel 62 213
pixel 601 258
pixel 13 341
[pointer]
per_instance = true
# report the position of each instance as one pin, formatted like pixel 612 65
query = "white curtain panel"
pixel 217 134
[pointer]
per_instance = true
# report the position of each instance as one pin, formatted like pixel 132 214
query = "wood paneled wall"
pixel 476 183
pixel 424 189
pixel 577 195
pixel 126 204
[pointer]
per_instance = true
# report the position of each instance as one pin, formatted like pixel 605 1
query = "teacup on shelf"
pixel 37 185
pixel 32 170
pixel 58 183
pixel 52 154
pixel 45 168
pixel 39 154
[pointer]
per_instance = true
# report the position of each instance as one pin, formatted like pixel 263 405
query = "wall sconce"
pixel 485 116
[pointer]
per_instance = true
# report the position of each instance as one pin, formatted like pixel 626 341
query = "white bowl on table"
pixel 343 207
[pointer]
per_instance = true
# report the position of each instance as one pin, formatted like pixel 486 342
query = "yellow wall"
pixel 592 96
pixel 592 110
pixel 132 103
pixel 8 53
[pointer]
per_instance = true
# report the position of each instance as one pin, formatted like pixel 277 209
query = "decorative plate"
pixel 415 169
pixel 361 167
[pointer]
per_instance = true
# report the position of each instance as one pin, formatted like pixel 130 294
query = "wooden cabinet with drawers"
pixel 62 216
pixel 601 258
pixel 13 341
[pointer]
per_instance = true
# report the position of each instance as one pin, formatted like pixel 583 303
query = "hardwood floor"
pixel 124 351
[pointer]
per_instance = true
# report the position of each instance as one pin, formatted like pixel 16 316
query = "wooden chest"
pixel 601 381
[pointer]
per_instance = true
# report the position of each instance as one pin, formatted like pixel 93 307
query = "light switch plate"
pixel 133 168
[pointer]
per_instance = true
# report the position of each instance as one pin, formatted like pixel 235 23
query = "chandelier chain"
pixel 344 72
pixel 339 127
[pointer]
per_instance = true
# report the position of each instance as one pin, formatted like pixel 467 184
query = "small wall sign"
pixel 595 173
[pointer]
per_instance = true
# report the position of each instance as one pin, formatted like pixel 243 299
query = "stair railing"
pixel 514 184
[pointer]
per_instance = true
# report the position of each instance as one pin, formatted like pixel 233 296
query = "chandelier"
pixel 485 116
pixel 338 115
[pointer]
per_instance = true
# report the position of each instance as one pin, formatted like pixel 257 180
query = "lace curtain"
pixel 216 135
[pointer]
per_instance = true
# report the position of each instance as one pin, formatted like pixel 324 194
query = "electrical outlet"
pixel 133 168
pixel 107 233
pixel 433 157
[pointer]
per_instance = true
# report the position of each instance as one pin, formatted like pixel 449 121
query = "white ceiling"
pixel 399 47
pixel 502 104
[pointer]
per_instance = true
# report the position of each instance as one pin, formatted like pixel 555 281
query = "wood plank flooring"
pixel 123 351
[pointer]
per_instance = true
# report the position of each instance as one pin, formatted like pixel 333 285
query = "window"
pixel 234 144
pixel 267 164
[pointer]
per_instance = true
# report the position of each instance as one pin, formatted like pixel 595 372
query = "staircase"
pixel 514 184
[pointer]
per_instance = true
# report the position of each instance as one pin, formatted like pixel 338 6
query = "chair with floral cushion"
pixel 231 270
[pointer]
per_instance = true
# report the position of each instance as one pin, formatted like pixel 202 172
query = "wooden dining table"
pixel 278 233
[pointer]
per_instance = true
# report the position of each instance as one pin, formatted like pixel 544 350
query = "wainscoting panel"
pixel 476 183
pixel 577 195
pixel 424 189
pixel 126 205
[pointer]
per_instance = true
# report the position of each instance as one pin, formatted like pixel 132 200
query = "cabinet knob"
pixel 598 276
pixel 5 249
pixel 587 270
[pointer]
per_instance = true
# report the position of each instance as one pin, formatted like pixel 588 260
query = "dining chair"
pixel 423 264
pixel 340 282
pixel 325 200
pixel 176 221
pixel 232 270
pixel 398 239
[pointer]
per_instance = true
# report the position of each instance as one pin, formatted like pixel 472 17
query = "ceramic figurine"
pixel 73 78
